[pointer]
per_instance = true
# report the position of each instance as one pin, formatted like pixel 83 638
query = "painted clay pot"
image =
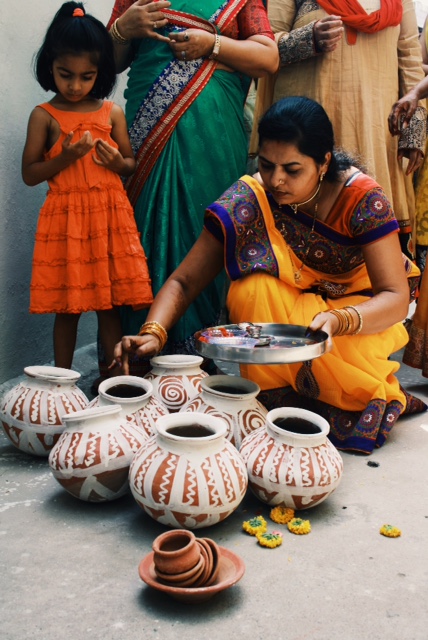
pixel 176 379
pixel 32 412
pixel 92 457
pixel 233 399
pixel 188 475
pixel 140 407
pixel 290 460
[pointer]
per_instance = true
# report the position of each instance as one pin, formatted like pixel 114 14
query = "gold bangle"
pixel 360 320
pixel 216 47
pixel 155 329
pixel 116 35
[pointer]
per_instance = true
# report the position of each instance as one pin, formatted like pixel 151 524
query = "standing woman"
pixel 356 58
pixel 190 65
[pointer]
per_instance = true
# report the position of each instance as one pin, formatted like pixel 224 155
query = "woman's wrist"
pixel 349 321
pixel 117 35
pixel 216 47
pixel 155 329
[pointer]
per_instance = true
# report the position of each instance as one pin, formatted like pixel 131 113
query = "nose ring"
pixel 281 181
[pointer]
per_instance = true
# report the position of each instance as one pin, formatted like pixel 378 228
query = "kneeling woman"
pixel 309 240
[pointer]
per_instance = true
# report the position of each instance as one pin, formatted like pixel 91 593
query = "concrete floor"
pixel 69 569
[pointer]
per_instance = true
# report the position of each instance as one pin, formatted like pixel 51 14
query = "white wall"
pixel 25 339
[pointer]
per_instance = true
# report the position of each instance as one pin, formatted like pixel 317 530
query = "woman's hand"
pixel 402 111
pixel 327 322
pixel 415 156
pixel 142 19
pixel 328 33
pixel 141 346
pixel 191 44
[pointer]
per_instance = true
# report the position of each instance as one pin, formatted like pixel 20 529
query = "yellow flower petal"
pixel 255 525
pixel 299 526
pixel 389 531
pixel 281 515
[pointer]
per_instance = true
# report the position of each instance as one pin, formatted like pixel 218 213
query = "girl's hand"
pixel 72 152
pixel 142 19
pixel 401 112
pixel 108 156
pixel 328 33
pixel 146 345
pixel 191 44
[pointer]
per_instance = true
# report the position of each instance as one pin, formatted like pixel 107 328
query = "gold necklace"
pixel 299 204
pixel 298 272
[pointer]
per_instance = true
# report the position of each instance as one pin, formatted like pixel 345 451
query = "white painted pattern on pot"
pixel 141 411
pixel 290 469
pixel 176 379
pixel 92 457
pixel 233 399
pixel 188 482
pixel 31 412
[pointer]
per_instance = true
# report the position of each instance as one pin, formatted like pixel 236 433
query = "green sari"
pixel 204 154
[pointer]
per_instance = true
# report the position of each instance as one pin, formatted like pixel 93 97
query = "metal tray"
pixel 289 344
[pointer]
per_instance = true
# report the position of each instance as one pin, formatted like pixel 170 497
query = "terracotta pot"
pixel 288 466
pixel 176 379
pixel 140 407
pixel 233 399
pixel 176 552
pixel 188 475
pixel 92 457
pixel 32 412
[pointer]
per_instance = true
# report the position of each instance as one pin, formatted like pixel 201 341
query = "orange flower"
pixel 78 13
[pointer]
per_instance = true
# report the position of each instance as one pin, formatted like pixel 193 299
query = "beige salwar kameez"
pixel 357 85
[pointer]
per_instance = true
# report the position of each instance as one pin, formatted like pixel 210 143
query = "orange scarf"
pixel 356 19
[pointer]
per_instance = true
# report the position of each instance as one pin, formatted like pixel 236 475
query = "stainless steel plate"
pixel 288 344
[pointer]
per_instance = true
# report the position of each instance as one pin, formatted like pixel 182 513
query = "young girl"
pixel 88 255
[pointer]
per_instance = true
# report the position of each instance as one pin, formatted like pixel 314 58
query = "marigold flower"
pixel 299 526
pixel 270 540
pixel 389 531
pixel 281 515
pixel 255 525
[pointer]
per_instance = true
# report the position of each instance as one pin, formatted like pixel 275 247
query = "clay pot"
pixel 92 457
pixel 140 407
pixel 176 379
pixel 233 399
pixel 176 552
pixel 188 475
pixel 293 464
pixel 32 412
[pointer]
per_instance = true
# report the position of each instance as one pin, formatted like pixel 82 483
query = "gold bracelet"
pixel 116 35
pixel 155 329
pixel 360 320
pixel 216 48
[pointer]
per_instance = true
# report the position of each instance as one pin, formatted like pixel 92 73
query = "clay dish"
pixel 176 551
pixel 231 568
pixel 215 550
pixel 208 567
pixel 184 579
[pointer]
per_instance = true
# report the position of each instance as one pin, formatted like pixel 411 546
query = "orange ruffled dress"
pixel 88 255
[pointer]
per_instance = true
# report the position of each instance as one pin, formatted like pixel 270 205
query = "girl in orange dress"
pixel 88 254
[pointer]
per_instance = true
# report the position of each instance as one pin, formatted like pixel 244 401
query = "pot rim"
pixel 174 360
pixel 183 418
pixel 52 374
pixel 299 439
pixel 252 391
pixel 92 412
pixel 145 385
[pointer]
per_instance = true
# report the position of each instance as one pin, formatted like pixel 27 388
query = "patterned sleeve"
pixel 297 45
pixel 253 21
pixel 373 218
pixel 120 6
